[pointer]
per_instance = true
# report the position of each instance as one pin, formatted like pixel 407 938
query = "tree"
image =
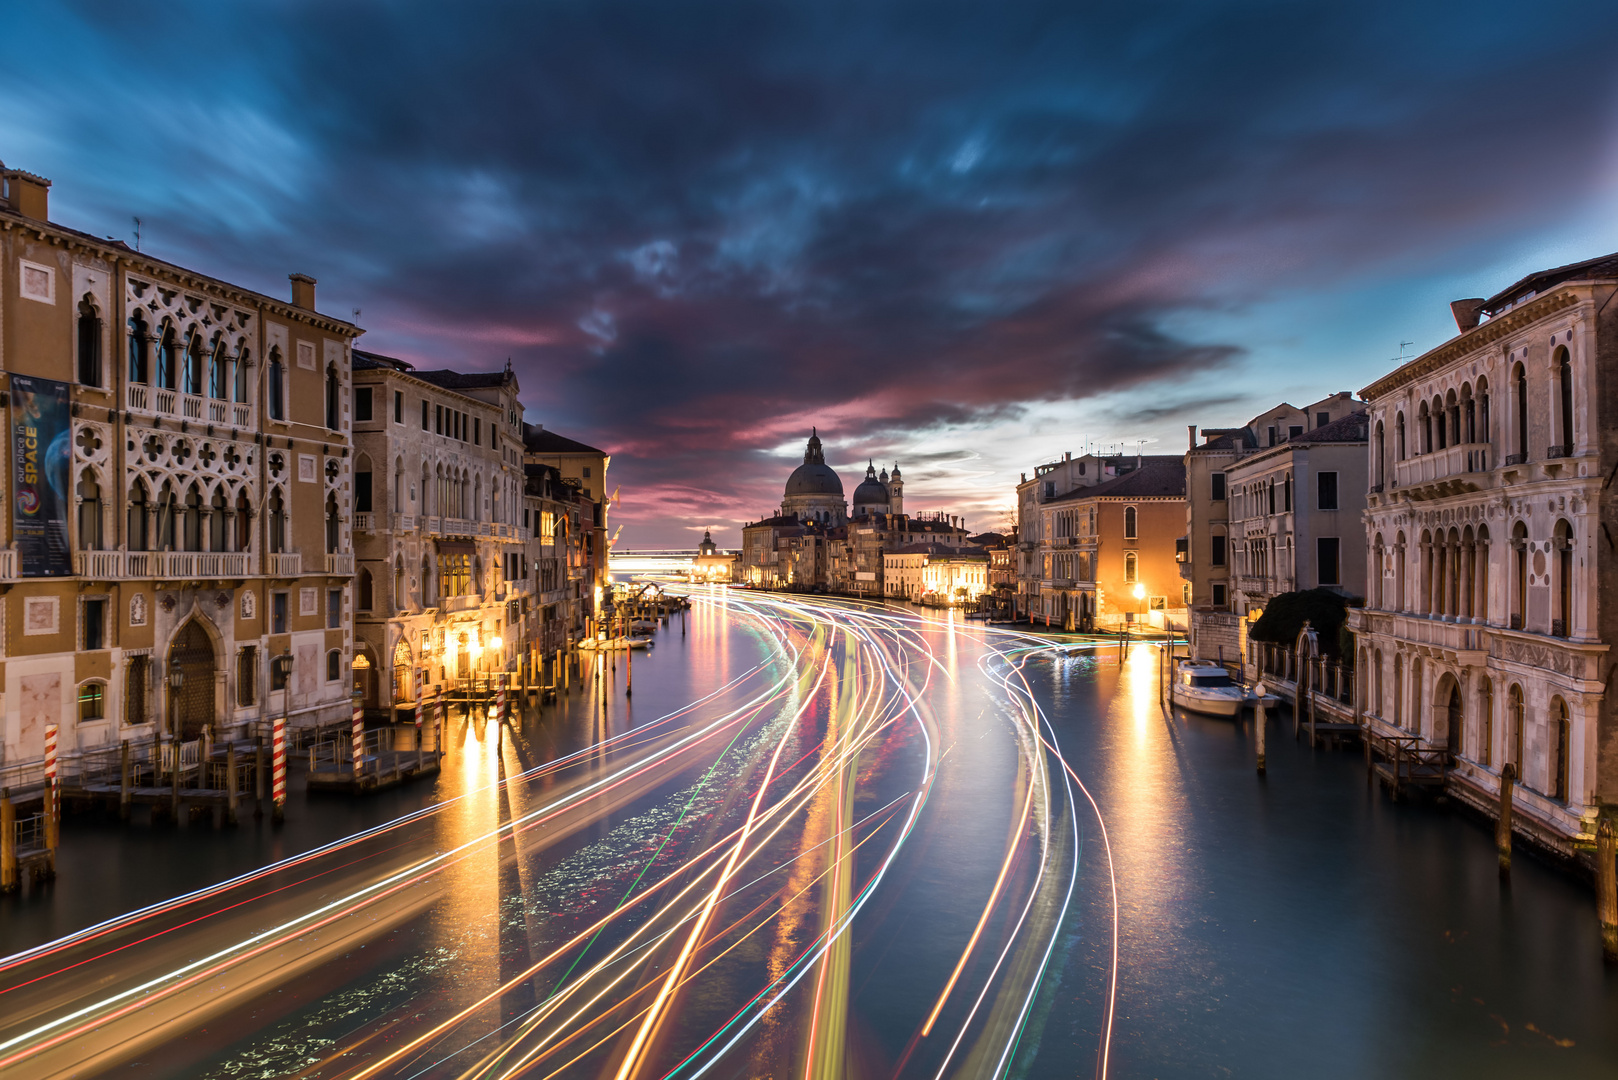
pixel 1284 617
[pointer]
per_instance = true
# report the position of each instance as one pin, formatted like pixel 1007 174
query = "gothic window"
pixel 1129 524
pixel 1564 381
pixel 277 386
pixel 89 344
pixel 1520 377
pixel 167 360
pixel 333 398
pixel 140 348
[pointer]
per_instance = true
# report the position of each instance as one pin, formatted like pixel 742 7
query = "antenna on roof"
pixel 356 316
pixel 1400 359
pixel 137 234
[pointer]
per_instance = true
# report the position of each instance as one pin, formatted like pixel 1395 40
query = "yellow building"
pixel 935 574
pixel 180 484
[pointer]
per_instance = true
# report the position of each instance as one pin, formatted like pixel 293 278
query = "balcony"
pixel 157 401
pixel 338 563
pixel 99 565
pixel 284 564
pixel 365 522
pixel 187 565
pixel 1451 471
pixel 457 527
pixel 1255 586
pixel 405 522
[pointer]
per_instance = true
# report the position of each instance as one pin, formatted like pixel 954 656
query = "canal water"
pixel 1295 925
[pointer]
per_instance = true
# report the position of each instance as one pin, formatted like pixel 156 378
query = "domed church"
pixel 814 490
pixel 879 493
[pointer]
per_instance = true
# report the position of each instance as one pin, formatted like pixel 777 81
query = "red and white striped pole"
pixel 500 701
pixel 278 791
pixel 358 733
pixel 438 701
pixel 51 804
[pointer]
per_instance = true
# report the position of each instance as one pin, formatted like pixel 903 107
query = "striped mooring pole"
pixel 500 701
pixel 438 700
pixel 358 733
pixel 278 790
pixel 52 804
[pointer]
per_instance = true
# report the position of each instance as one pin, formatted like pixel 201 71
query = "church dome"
pixel 814 476
pixel 871 492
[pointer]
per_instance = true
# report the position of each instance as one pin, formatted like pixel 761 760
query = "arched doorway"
pixel 401 671
pixel 192 707
pixel 1454 720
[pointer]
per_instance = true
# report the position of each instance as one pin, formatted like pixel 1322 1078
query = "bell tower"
pixel 896 491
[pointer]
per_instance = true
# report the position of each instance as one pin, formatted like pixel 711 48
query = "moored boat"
pixel 1206 687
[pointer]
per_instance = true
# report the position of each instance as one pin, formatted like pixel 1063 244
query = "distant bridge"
pixel 671 561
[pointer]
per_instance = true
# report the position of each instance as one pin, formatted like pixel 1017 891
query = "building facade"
pixel 1216 627
pixel 1107 552
pixel 439 489
pixel 1296 518
pixel 583 468
pixel 937 575
pixel 181 473
pixel 1490 605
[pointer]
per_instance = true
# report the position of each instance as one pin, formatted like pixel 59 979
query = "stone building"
pixel 1295 518
pixel 1489 616
pixel 938 575
pixel 1100 544
pixel 814 491
pixel 180 468
pixel 439 487
pixel 583 468
pixel 560 540
pixel 1052 481
pixel 1216 629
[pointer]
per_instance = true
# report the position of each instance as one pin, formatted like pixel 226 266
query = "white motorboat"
pixel 616 644
pixel 1206 687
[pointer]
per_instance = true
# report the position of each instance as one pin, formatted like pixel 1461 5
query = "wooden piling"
pixel 258 778
pixel 8 843
pixel 123 781
pixel 1502 827
pixel 53 825
pixel 1260 723
pixel 230 784
pixel 1607 887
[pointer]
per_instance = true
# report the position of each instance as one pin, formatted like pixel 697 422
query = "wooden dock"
pixel 389 756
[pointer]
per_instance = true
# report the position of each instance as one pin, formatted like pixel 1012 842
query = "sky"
pixel 961 238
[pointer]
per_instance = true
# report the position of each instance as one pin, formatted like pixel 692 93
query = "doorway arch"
pixel 1447 704
pixel 191 653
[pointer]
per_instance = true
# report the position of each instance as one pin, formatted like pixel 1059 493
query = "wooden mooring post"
pixel 123 781
pixel 8 843
pixel 1502 827
pixel 1607 887
pixel 1260 722
pixel 230 784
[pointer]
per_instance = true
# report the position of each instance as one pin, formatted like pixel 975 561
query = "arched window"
pixel 89 344
pixel 168 363
pixel 1485 750
pixel 216 520
pixel 1484 434
pixel 1424 424
pixel 398 486
pixel 1131 566
pixel 1561 747
pixel 278 524
pixel 1416 692
pixel 1399 436
pixel 243 539
pixel 1440 425
pixel 219 372
pixel 277 387
pixel 333 525
pixel 140 349
pixel 366 590
pixel 332 398
pixel 1519 377
pixel 135 535
pixel 193 519
pixel 362 485
pixel 1379 456
pixel 1564 384
pixel 1519 592
pixel 1129 523
pixel 1518 720
pixel 1469 416
pixel 398 583
pixel 89 495
pixel 1379 703
pixel 193 365
pixel 1398 690
pixel 426 582
pixel 239 391
pixel 334 665
pixel 1562 617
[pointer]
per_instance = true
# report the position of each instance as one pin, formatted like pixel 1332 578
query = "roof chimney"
pixel 1192 429
pixel 27 194
pixel 1468 313
pixel 303 291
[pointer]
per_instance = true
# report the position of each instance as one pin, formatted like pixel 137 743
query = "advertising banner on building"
pixel 40 434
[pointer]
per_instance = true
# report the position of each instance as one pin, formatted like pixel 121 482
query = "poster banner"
pixel 40 434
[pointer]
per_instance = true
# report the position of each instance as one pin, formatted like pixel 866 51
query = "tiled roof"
pixel 464 380
pixel 1539 281
pixel 1164 478
pixel 1355 427
pixel 536 440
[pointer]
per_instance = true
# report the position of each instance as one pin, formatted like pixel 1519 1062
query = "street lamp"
pixel 1140 594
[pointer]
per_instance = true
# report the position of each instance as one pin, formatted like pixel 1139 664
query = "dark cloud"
pixel 698 229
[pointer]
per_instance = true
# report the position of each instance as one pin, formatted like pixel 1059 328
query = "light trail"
pixel 781 784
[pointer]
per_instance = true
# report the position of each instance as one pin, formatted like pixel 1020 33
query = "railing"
pixel 8 564
pixel 1560 451
pixel 458 527
pixel 1458 460
pixel 192 406
pixel 137 396
pixel 404 522
pixel 365 522
pixel 1517 459
pixel 201 564
pixel 99 565
pixel 469 602
pixel 285 564
pixel 218 412
pixel 432 526
pixel 339 563
pixel 165 401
